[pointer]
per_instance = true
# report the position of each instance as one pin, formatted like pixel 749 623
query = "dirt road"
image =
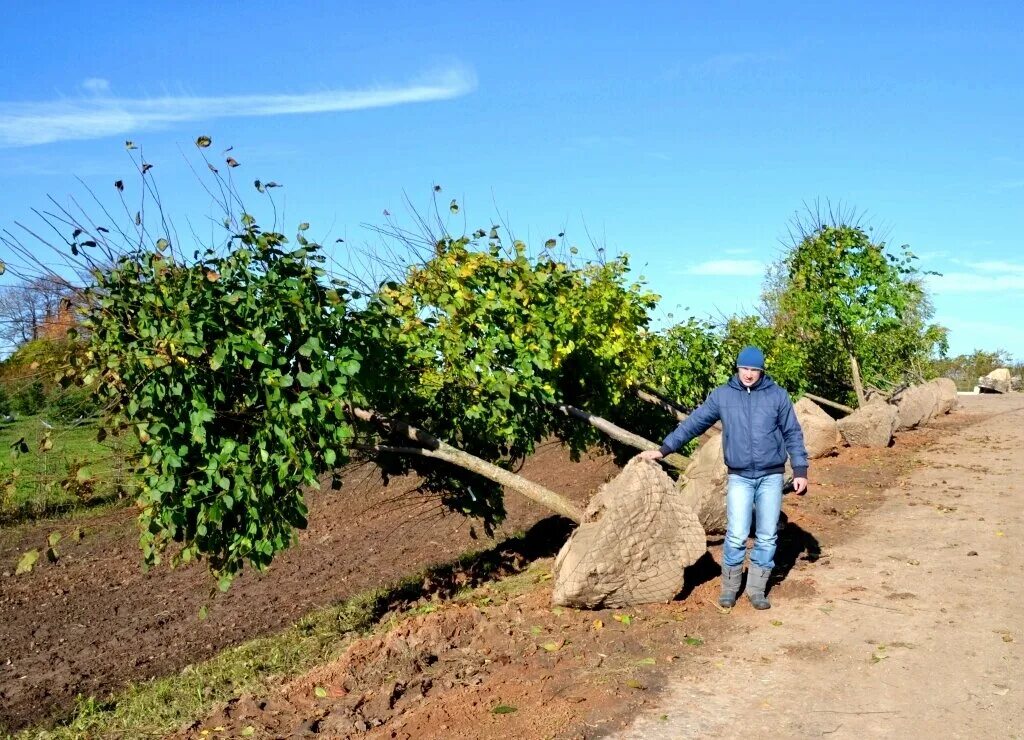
pixel 916 626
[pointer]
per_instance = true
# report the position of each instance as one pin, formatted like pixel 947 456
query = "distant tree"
pixel 849 301
pixel 967 368
pixel 28 307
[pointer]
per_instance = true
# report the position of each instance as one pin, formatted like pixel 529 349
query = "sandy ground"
pixel 916 626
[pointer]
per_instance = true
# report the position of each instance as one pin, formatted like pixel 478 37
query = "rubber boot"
pixel 757 581
pixel 731 577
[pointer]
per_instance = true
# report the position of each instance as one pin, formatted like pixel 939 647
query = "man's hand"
pixel 800 485
pixel 651 455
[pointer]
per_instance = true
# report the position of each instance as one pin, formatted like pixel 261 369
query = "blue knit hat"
pixel 750 356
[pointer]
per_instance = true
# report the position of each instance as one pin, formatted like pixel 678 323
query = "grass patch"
pixel 166 704
pixel 75 471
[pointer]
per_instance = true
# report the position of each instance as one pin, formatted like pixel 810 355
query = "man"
pixel 759 428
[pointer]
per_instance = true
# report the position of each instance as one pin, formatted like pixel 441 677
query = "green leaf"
pixel 53 539
pixel 162 244
pixel 693 641
pixel 27 562
pixel 304 226
pixel 320 692
pixel 203 141
pixel 504 709
pixel 203 613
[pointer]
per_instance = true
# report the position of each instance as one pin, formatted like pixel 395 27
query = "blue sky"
pixel 685 134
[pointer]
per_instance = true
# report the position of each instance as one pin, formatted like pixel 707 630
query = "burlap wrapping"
pixel 637 536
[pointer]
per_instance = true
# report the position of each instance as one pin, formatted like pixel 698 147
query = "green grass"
pixel 163 705
pixel 76 472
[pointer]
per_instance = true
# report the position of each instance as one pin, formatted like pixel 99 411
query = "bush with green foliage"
pixel 30 399
pixel 72 404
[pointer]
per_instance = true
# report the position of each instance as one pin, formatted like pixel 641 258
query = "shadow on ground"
pixel 795 544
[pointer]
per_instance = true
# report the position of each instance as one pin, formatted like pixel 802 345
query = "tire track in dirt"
pixel 915 630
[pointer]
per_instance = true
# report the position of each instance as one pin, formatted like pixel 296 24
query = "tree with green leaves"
pixel 233 371
pixel 856 307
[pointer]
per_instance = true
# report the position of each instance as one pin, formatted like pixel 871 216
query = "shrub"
pixel 72 404
pixel 30 399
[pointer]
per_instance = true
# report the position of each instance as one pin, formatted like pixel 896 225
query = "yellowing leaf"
pixel 27 562
pixel 203 141
pixel 598 624
pixel 320 692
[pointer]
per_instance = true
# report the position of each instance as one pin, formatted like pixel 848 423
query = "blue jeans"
pixel 744 497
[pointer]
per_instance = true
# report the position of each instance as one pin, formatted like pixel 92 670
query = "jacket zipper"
pixel 750 426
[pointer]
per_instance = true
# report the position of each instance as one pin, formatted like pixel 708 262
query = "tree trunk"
pixel 435 448
pixel 646 395
pixel 858 388
pixel 624 436
pixel 833 404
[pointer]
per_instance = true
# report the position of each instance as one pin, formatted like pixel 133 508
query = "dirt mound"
pixel 637 536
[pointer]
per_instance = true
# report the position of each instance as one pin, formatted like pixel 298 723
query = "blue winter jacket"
pixel 759 427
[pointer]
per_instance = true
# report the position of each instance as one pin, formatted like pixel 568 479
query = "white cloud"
pixel 742 268
pixel 27 124
pixel 1000 266
pixel 96 85
pixel 968 282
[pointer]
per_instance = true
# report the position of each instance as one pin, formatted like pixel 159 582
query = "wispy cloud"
pixel 96 85
pixel 992 277
pixel 727 63
pixel 1000 266
pixel 732 268
pixel 101 114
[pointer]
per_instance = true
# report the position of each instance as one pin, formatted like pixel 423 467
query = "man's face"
pixel 749 375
